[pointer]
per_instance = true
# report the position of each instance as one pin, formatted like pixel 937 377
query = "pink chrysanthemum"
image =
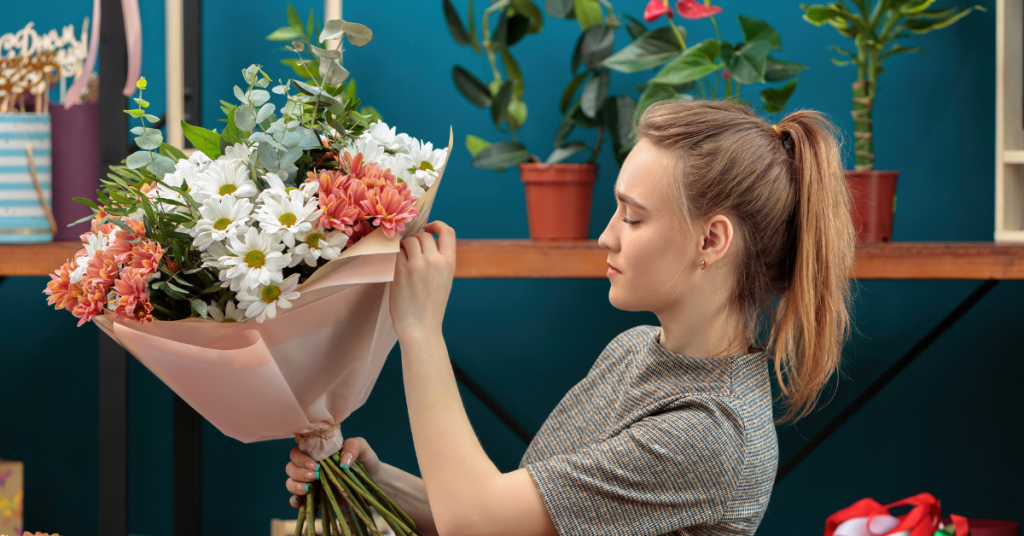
pixel 337 212
pixel 358 231
pixel 63 294
pixel 330 182
pixel 102 270
pixel 133 305
pixel 90 303
pixel 145 259
pixel 389 209
pixel 120 246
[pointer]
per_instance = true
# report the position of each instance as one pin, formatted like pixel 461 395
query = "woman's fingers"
pixel 294 501
pixel 298 488
pixel 300 459
pixel 411 246
pixel 301 474
pixel 427 244
pixel 446 238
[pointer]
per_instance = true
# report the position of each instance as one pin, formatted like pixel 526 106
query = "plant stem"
pixel 679 36
pixel 366 495
pixel 361 471
pixel 597 144
pixel 301 521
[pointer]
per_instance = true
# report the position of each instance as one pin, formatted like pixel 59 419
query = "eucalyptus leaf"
pixel 357 34
pixel 138 159
pixel 240 95
pixel 265 112
pixel 325 54
pixel 161 166
pixel 259 97
pixel 307 88
pixel 244 119
pixel 149 142
pixel 332 30
pixel 268 157
pixel 290 156
pixel 250 73
pixel 335 74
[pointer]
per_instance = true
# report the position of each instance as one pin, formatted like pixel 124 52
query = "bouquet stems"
pixel 346 499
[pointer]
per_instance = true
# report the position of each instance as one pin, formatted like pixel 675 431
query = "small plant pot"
pixel 874 204
pixel 558 199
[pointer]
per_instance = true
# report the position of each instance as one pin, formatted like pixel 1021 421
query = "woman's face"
pixel 652 256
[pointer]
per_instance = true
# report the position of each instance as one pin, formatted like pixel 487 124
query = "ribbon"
pixel 867 517
pixel 133 39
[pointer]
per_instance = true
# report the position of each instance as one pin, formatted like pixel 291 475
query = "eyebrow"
pixel 629 200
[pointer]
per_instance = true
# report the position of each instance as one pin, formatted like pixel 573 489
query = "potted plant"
pixel 877 27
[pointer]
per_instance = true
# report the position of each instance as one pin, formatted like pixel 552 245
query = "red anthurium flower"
pixel 691 9
pixel 655 9
pixel 726 73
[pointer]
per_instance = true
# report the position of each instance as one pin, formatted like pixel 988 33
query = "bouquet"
pixel 867 517
pixel 252 276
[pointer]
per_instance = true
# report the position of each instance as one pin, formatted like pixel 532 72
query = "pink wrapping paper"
pixel 304 371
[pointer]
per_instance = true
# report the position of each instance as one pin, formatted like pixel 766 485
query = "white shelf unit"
pixel 1009 121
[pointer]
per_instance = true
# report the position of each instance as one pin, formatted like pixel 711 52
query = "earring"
pixel 703 264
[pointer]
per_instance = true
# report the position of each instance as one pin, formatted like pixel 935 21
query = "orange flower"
pixel 102 270
pixel 63 294
pixel 389 209
pixel 133 305
pixel 337 212
pixel 90 303
pixel 329 180
pixel 120 246
pixel 145 259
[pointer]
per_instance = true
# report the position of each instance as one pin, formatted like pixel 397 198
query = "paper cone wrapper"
pixel 299 374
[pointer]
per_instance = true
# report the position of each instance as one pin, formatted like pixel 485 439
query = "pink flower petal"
pixel 691 9
pixel 655 9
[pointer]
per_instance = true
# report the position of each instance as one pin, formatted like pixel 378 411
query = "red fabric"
pixel 655 9
pixel 691 9
pixel 922 520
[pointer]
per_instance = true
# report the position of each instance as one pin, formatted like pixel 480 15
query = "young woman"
pixel 737 235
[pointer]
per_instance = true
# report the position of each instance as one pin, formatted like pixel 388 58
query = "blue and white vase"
pixel 22 218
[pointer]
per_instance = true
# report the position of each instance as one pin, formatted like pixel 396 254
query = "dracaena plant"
pixel 711 69
pixel 877 27
pixel 503 95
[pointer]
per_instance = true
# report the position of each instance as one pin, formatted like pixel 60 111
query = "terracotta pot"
pixel 558 199
pixel 874 204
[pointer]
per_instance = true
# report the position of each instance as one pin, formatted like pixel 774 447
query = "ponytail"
pixel 785 189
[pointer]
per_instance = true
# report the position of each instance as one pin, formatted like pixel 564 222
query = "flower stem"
pixel 366 495
pixel 679 36
pixel 360 470
pixel 345 531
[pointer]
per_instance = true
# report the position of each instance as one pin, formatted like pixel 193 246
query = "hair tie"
pixel 777 131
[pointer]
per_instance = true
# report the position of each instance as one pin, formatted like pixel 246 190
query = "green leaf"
pixel 293 18
pixel 87 202
pixel 455 26
pixel 208 142
pixel 161 166
pixel 637 28
pixel 567 150
pixel 357 34
pixel 778 70
pixel 652 94
pixel 473 41
pixel 759 30
pixel 618 114
pixel 747 65
pixel 517 112
pixel 136 113
pixel 138 159
pixel 150 142
pixel 473 89
pixel 596 45
pixel 775 98
pixel 818 15
pixel 499 156
pixel 570 90
pixel 915 6
pixel 142 103
pixel 562 9
pixel 332 30
pixel 648 51
pixel 285 34
pixel 244 119
pixel 499 107
pixel 579 118
pixel 199 306
pixel 594 93
pixel 898 49
pixel 588 13
pixel 518 27
pixel 514 74
pixel 693 63
pixel 333 73
pixel 172 152
pixel 927 21
pixel 475 144
pixel 566 126
pixel 529 10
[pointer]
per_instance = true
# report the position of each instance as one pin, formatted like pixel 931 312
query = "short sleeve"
pixel 663 473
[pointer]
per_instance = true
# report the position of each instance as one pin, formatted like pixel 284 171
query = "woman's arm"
pixel 468 494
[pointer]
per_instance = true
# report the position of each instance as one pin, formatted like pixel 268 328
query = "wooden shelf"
pixel 584 259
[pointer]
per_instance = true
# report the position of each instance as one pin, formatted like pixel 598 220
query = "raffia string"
pixel 321 433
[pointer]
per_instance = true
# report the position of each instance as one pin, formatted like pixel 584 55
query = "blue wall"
pixel 948 425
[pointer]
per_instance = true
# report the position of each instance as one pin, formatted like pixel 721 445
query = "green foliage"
pixel 876 28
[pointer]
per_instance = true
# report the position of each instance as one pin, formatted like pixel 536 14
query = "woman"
pixel 730 230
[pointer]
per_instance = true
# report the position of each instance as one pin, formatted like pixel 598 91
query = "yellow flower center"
pixel 221 224
pixel 289 189
pixel 287 219
pixel 270 293
pixel 255 259
pixel 228 320
pixel 314 239
pixel 227 189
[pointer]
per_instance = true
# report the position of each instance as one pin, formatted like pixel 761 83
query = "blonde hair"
pixel 784 189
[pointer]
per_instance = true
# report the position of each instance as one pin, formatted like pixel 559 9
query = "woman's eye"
pixel 629 221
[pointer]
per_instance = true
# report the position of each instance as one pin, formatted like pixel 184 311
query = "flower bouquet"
pixel 252 277
pixel 867 517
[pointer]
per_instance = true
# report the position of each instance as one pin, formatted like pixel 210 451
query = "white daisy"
pixel 215 255
pixel 287 216
pixel 318 244
pixel 224 177
pixel 424 156
pixel 258 260
pixel 369 147
pixel 220 218
pixel 93 242
pixel 229 314
pixel 385 136
pixel 276 188
pixel 262 303
pixel 238 152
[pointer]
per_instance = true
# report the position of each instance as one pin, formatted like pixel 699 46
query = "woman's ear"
pixel 718 236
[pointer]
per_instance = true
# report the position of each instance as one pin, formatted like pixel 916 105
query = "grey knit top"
pixel 652 442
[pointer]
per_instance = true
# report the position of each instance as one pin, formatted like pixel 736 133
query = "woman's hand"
pixel 423 280
pixel 302 470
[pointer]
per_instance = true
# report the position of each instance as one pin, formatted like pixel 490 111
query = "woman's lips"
pixel 613 271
